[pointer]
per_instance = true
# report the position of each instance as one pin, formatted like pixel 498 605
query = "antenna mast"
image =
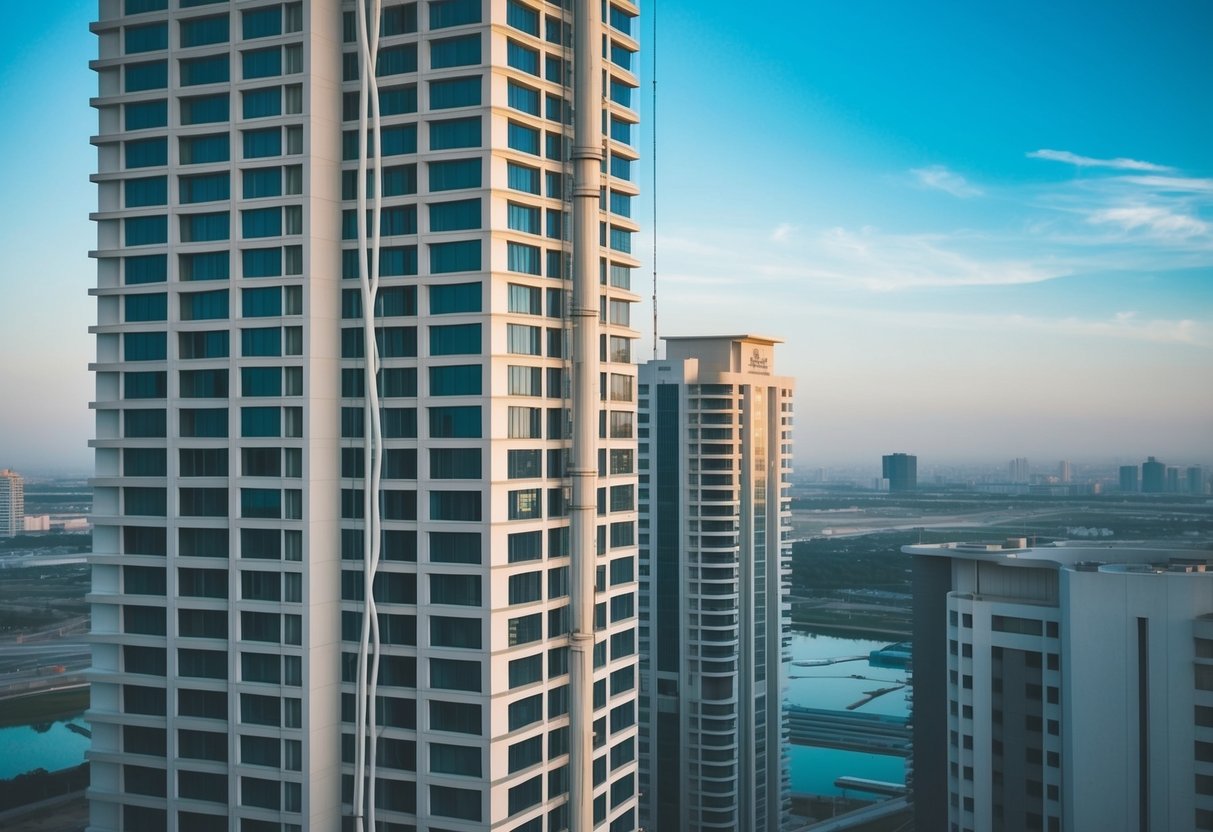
pixel 653 119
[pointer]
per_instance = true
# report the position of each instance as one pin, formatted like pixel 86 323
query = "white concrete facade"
pixel 12 503
pixel 1079 687
pixel 227 589
pixel 715 457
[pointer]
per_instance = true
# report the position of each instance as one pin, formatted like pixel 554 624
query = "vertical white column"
pixel 587 174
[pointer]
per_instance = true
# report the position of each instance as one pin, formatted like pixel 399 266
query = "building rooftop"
pixel 1130 556
pixel 761 339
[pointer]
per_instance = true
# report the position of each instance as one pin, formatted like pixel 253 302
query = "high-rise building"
pixel 1064 473
pixel 340 529
pixel 1172 486
pixel 1044 674
pixel 1196 479
pixel 1153 476
pixel 1017 470
pixel 1128 478
pixel 12 503
pixel 901 470
pixel 715 451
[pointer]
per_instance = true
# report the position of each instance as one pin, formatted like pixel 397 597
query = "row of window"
pixel 274 261
pixel 287 220
pixel 255 382
pixel 260 503
pixel 255 223
pixel 213 583
pixel 264 22
pixel 267 627
pixel 207 462
pixel 145 76
pixel 213 305
pixel 213 423
pixel 212 149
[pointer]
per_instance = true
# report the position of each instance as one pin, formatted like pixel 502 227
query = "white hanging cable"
pixel 368 280
pixel 374 531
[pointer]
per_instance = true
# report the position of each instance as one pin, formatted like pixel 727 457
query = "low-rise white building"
pixel 1063 687
pixel 37 523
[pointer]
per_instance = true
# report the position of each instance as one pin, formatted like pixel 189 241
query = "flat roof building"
pixel 1128 478
pixel 715 453
pixel 349 276
pixel 1063 686
pixel 1153 476
pixel 12 503
pixel 901 471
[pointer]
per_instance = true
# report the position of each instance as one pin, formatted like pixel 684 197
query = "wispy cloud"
pixel 1153 219
pixel 941 178
pixel 1092 162
pixel 884 262
pixel 783 232
pixel 1127 325
pixel 1173 184
pixel 847 259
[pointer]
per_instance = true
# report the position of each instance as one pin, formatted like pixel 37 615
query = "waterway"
pixel 51 746
pixel 813 770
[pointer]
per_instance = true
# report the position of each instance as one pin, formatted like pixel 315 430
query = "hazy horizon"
pixel 982 233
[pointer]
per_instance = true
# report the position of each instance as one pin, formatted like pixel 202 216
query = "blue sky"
pixel 983 231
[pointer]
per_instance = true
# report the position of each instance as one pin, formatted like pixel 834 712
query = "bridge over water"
pixel 872 733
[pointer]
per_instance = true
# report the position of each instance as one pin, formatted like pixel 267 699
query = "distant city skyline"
pixel 1005 250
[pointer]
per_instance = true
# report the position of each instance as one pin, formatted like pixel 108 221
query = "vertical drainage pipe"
pixel 583 469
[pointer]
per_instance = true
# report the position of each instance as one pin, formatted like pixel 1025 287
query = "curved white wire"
pixel 368 279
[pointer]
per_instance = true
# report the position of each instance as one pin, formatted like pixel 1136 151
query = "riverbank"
pixel 869 631
pixel 44 706
pixel 67 813
pixel 18 793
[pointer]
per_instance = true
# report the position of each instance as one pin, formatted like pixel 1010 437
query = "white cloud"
pixel 940 178
pixel 1175 184
pixel 891 262
pixel 845 259
pixel 1152 219
pixel 1127 326
pixel 1091 162
pixel 783 232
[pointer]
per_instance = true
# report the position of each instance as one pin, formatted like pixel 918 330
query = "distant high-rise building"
pixel 714 584
pixel 346 561
pixel 1017 470
pixel 1172 486
pixel 1153 476
pixel 1128 478
pixel 1063 471
pixel 901 470
pixel 12 503
pixel 1196 480
pixel 1042 675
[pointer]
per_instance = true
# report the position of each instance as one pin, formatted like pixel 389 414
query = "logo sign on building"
pixel 760 361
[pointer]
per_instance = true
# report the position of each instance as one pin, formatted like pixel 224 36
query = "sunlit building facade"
pixel 715 569
pixel 1062 687
pixel 232 416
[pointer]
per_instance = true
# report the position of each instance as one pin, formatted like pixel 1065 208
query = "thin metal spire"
pixel 653 163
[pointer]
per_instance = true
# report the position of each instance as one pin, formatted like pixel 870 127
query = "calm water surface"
pixel 813 770
pixel 51 746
